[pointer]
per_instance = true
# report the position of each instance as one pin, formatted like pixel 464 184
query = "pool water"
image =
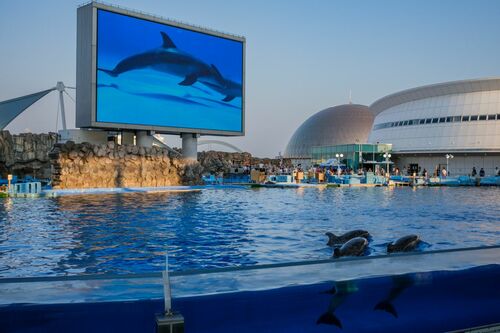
pixel 130 233
pixel 437 301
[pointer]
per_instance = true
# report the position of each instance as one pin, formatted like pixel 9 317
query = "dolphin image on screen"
pixel 169 59
pixel 226 87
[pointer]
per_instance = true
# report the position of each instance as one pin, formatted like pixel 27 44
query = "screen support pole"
pixel 190 146
pixel 144 139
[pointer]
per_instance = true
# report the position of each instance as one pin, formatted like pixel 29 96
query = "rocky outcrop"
pixel 26 154
pixel 86 165
pixel 217 161
pixel 109 165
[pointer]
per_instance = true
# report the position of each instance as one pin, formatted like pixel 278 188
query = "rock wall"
pixel 108 165
pixel 85 165
pixel 217 161
pixel 26 154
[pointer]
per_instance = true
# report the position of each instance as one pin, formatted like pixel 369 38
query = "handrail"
pixel 230 269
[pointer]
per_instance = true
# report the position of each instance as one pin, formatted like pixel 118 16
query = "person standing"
pixel 444 173
pixel 474 172
pixel 425 173
pixel 481 173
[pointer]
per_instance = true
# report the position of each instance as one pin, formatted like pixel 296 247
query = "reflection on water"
pixel 126 233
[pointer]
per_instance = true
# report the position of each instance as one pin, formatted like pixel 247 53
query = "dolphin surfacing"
pixel 354 247
pixel 404 244
pixel 340 240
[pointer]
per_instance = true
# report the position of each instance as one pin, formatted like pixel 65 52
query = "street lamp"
pixel 448 156
pixel 338 162
pixel 387 156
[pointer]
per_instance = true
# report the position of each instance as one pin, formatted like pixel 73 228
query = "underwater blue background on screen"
pixel 148 96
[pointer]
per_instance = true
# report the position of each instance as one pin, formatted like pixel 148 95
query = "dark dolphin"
pixel 340 292
pixel 399 284
pixel 404 244
pixel 354 247
pixel 339 240
pixel 169 59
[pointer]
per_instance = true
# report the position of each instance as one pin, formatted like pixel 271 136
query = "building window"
pixel 473 118
pixel 465 118
pixel 491 117
pixel 442 119
pixel 498 116
pixel 435 120
pixel 457 119
pixel 422 121
pixel 449 119
pixel 482 117
pixel 400 123
pixel 405 123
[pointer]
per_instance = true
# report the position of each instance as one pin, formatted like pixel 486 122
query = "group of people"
pixel 482 173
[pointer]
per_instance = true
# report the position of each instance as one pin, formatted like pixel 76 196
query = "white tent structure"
pixel 12 108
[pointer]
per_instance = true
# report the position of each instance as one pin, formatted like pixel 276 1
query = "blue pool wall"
pixel 424 302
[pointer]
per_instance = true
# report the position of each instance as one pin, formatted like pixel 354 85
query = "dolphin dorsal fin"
pixel 219 75
pixel 167 42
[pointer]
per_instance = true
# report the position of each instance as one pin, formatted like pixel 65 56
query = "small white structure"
pixel 25 189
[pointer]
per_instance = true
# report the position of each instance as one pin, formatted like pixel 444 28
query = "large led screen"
pixel 154 74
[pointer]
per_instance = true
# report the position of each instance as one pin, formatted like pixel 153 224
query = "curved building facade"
pixel 461 118
pixel 343 124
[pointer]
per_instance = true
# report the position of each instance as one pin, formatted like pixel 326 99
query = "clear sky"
pixel 302 56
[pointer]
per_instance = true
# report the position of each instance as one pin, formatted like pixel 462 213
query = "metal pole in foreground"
pixel 167 290
pixel 169 321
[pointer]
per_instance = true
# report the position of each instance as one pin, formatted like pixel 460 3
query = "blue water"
pixel 127 233
pixel 419 302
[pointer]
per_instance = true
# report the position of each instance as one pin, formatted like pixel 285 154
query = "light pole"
pixel 448 156
pixel 338 162
pixel 387 156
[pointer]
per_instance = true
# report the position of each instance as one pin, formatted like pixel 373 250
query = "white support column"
pixel 144 139
pixel 60 87
pixel 190 146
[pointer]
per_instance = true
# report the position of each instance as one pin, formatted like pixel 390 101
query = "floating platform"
pixel 289 185
pixel 115 190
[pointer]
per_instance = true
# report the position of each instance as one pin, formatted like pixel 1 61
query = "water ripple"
pixel 127 233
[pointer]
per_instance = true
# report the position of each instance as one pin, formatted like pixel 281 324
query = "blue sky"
pixel 302 56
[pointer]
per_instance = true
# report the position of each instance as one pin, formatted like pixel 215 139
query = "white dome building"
pixel 425 124
pixel 342 124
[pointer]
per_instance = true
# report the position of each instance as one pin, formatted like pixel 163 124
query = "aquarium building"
pixel 339 125
pixel 455 123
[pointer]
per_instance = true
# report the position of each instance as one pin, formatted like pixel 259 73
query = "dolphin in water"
pixel 400 284
pixel 169 59
pixel 340 292
pixel 340 240
pixel 404 244
pixel 354 247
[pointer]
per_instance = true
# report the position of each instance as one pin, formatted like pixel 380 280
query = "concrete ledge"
pixel 115 190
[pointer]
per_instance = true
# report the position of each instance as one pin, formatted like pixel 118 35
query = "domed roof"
pixel 342 124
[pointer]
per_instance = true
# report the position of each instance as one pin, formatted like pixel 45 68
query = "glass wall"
pixel 354 155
